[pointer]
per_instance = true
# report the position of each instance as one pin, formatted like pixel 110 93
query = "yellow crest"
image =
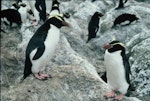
pixel 57 16
pixel 55 5
pixel 113 38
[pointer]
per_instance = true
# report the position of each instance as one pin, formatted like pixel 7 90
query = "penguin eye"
pixel 111 45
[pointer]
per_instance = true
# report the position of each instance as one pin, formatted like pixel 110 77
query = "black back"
pixel 125 17
pixel 12 15
pixel 93 26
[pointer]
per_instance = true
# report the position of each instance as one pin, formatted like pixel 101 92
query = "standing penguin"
pixel 41 8
pixel 93 26
pixel 55 8
pixel 117 68
pixel 22 9
pixel 42 46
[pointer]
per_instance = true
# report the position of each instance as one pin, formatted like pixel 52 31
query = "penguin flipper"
pixel 40 51
pixel 104 77
pixel 127 68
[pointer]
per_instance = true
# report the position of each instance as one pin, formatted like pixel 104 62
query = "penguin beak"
pixel 107 46
pixel 65 23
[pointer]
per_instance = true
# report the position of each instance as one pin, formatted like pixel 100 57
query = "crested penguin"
pixel 42 46
pixel 117 68
pixel 55 8
pixel 125 19
pixel 93 26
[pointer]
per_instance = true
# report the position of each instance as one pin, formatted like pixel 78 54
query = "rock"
pixel 76 66
pixel 68 83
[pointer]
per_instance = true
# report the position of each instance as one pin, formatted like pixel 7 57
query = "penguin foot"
pixel 35 23
pixel 42 76
pixel 119 97
pixel 110 94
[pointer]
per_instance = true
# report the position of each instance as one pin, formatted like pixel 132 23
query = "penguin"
pixel 121 4
pixel 125 17
pixel 22 9
pixel 42 46
pixel 93 26
pixel 12 16
pixel 117 69
pixel 40 5
pixel 55 8
pixel 35 12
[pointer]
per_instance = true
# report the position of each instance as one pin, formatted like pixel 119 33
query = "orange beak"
pixel 106 46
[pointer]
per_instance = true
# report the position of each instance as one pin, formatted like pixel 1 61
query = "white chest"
pixel 115 69
pixel 54 12
pixel 50 43
pixel 52 37
pixel 23 13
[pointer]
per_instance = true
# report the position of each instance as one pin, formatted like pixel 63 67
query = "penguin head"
pixel 98 14
pixel 55 3
pixel 58 21
pixel 115 45
pixel 18 4
pixel 66 15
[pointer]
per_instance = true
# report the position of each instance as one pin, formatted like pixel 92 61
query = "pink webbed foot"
pixel 119 97
pixel 110 94
pixel 42 76
pixel 35 23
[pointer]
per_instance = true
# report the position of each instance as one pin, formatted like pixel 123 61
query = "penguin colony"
pixel 42 45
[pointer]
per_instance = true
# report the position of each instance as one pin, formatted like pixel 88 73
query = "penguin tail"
pixel 88 40
pixel 22 79
pixel 130 89
pixel 113 27
pixel 27 69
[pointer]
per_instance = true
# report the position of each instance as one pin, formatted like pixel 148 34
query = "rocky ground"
pixel 76 66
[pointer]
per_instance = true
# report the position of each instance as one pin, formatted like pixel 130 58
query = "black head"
pixel 134 16
pixel 55 3
pixel 98 14
pixel 58 21
pixel 22 4
pixel 66 15
pixel 18 5
pixel 115 46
